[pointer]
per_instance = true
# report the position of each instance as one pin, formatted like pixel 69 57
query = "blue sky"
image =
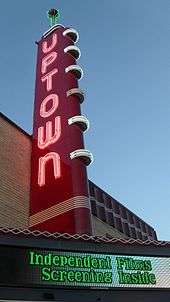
pixel 125 47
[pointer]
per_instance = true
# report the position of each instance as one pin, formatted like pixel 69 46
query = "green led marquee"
pixel 85 269
pixel 20 266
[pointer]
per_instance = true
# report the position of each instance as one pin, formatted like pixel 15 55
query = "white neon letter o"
pixel 43 108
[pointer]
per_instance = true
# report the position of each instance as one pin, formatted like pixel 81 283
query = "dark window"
pixel 101 213
pixel 110 218
pixel 93 207
pixel 115 206
pixel 149 230
pixel 130 218
pixel 143 227
pixel 137 222
pixel 139 234
pixel 91 189
pixel 107 201
pixel 133 232
pixel 98 194
pixel 145 238
pixel 123 212
pixel 154 235
pixel 118 224
pixel 126 229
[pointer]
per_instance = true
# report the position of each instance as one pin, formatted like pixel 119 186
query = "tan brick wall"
pixel 102 229
pixel 15 151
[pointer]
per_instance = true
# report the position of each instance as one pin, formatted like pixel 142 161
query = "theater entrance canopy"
pixel 44 266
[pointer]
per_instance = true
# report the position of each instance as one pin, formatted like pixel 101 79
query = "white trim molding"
pixel 59 209
pixel 81 121
pixel 72 34
pixel 76 70
pixel 51 29
pixel 76 92
pixel 74 51
pixel 85 155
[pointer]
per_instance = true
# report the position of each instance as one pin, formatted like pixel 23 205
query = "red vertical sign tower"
pixel 59 198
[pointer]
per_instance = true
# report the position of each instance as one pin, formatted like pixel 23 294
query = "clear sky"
pixel 125 47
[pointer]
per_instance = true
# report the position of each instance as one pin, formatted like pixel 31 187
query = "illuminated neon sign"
pixel 45 136
pixel 59 197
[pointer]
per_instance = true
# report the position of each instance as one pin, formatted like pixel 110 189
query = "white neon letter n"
pixel 42 163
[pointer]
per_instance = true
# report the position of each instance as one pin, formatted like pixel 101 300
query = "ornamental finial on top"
pixel 53 16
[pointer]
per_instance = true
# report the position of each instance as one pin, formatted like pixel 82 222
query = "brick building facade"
pixel 110 218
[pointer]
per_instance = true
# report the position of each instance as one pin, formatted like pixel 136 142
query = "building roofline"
pixel 122 205
pixel 83 237
pixel 14 124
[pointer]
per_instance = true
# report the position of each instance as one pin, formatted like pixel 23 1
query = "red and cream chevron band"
pixel 59 209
